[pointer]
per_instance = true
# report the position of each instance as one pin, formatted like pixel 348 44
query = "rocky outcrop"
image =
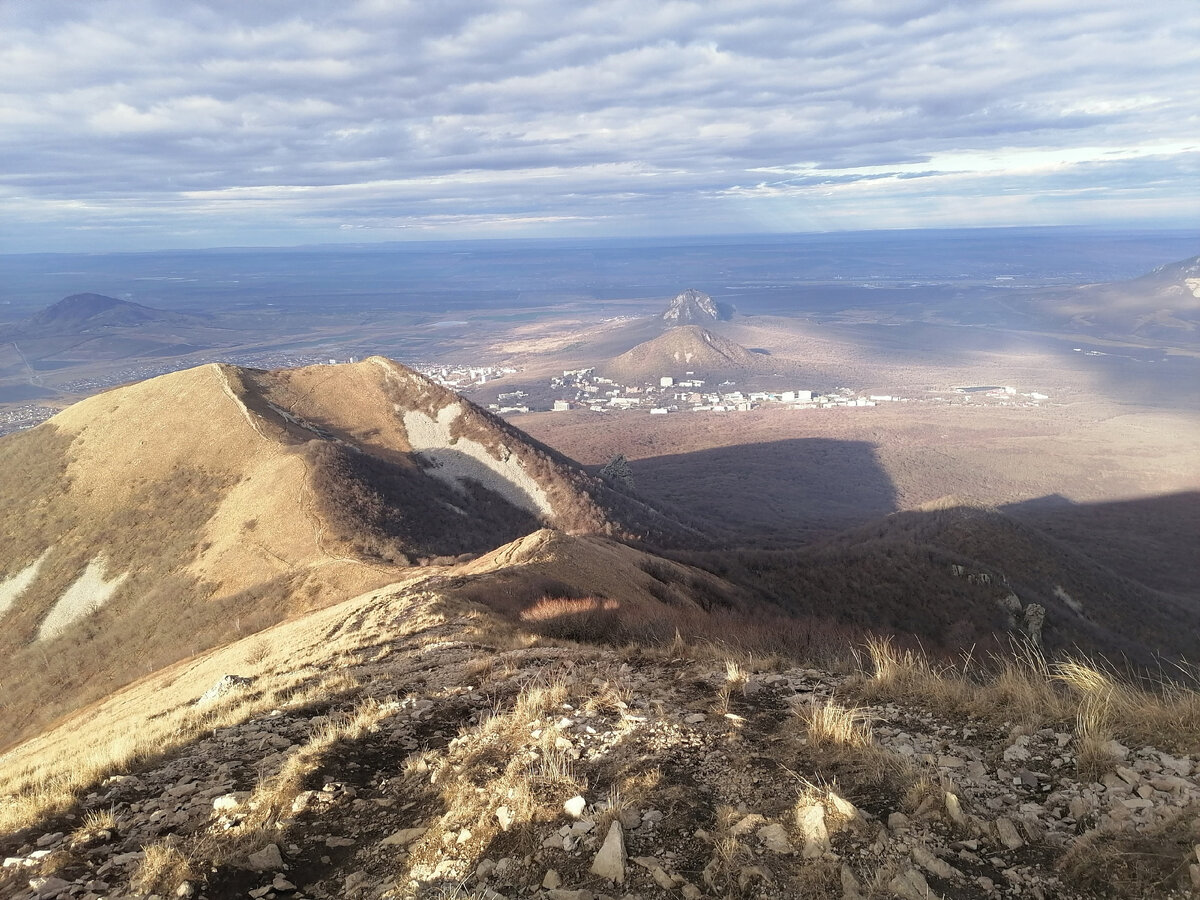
pixel 694 307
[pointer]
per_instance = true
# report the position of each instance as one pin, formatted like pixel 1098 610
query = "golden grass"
pixel 840 746
pixel 829 725
pixel 162 869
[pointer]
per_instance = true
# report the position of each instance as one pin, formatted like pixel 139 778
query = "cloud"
pixel 224 121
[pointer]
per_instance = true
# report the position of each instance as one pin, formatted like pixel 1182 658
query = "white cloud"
pixel 614 114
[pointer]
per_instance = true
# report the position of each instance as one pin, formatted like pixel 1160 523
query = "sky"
pixel 144 124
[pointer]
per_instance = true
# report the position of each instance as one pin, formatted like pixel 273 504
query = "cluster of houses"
pixel 460 378
pixel 584 389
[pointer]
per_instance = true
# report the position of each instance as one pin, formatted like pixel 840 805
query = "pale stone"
pixel 775 838
pixel 810 822
pixel 551 880
pixel 575 806
pixel 1008 834
pixel 266 858
pixel 403 837
pixel 911 885
pixel 504 816
pixel 851 886
pixel 610 861
pixel 747 824
pixel 931 863
pixel 954 809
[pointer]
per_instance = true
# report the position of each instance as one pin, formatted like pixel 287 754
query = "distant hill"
pixel 694 307
pixel 1162 305
pixel 688 348
pixel 180 512
pixel 80 313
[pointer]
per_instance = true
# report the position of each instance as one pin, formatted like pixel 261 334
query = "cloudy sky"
pixel 134 124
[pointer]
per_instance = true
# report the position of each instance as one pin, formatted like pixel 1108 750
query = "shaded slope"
pixel 946 573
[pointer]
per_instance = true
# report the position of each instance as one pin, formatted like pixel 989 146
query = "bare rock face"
pixel 693 307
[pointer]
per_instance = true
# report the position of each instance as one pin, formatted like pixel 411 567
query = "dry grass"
pixel 1131 865
pixel 1017 687
pixel 841 748
pixel 163 868
pixel 1166 714
pixel 46 775
pixel 832 727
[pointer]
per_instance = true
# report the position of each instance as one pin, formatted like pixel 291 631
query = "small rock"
pixel 897 821
pixel 551 880
pixel 954 809
pixel 282 884
pixel 230 802
pixel 851 886
pixel 931 863
pixel 48 886
pixel 694 718
pixel 911 885
pixel 575 806
pixel 266 858
pixel 504 816
pixel 403 837
pixel 775 838
pixel 610 861
pixel 746 824
pixel 1008 834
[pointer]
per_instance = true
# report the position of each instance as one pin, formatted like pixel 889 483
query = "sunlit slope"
pixel 161 518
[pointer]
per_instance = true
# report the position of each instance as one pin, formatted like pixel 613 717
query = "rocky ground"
pixel 457 766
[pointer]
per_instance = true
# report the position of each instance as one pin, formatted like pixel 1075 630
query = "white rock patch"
pixel 88 593
pixel 456 460
pixel 14 586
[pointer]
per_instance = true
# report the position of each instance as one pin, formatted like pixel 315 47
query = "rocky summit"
pixel 693 307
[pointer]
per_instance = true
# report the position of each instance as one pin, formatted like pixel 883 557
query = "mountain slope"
pixel 1163 305
pixel 404 744
pixel 183 511
pixel 687 348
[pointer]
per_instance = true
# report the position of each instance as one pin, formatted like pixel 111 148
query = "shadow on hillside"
pixel 950 576
pixel 780 493
pixel 1150 539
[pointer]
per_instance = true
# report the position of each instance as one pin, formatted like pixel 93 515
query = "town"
pixel 585 389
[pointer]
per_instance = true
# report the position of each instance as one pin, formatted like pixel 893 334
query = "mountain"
pixel 80 313
pixel 183 511
pixel 1163 305
pixel 677 351
pixel 694 307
